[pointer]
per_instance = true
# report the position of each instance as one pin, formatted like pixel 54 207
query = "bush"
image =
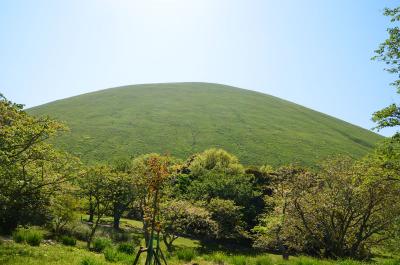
pixel 78 230
pixel 186 254
pixel 19 235
pixel 68 241
pixel 120 236
pixel 111 254
pixel 100 243
pixel 34 237
pixel 29 235
pixel 90 261
pixel 127 248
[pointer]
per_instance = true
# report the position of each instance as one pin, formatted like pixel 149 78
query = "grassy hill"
pixel 183 118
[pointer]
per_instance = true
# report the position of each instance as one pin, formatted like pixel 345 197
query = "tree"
pixel 30 169
pixel 149 174
pixel 95 187
pixel 63 206
pixel 217 161
pixel 389 53
pixel 270 231
pixel 343 210
pixel 180 218
pixel 229 219
pixel 237 188
pixel 123 191
pixel 387 157
pixel 216 173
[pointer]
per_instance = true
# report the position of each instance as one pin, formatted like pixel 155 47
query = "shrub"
pixel 186 254
pixel 34 237
pixel 29 235
pixel 120 236
pixel 19 235
pixel 100 243
pixel 78 230
pixel 127 248
pixel 111 254
pixel 90 261
pixel 68 241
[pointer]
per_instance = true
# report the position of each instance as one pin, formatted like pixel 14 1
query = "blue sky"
pixel 312 52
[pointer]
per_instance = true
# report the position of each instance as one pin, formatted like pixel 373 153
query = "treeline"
pixel 340 208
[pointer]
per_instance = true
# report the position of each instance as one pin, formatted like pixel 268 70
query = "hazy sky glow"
pixel 312 52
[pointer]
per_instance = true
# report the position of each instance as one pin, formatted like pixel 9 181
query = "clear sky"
pixel 312 52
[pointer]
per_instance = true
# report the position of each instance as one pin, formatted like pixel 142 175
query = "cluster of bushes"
pixel 68 240
pixel 31 236
pixel 122 252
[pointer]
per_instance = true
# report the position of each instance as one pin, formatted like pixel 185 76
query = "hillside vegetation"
pixel 185 118
pixel 193 208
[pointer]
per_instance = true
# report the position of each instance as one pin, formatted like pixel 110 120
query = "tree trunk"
pixel 167 243
pixel 284 251
pixel 93 228
pixel 117 218
pixel 91 210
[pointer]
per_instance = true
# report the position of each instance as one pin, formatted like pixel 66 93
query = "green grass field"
pixel 184 118
pixel 56 254
pixel 187 251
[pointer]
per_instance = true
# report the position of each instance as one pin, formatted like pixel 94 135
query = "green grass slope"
pixel 184 118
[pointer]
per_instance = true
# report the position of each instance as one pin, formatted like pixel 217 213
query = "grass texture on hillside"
pixel 183 118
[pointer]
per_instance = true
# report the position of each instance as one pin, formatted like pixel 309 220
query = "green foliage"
pixel 17 254
pixel 68 240
pixel 31 236
pixel 111 254
pixel 185 118
pixel 63 206
pixel 122 236
pixel 34 237
pixel 186 254
pixel 100 243
pixel 217 161
pixel 123 192
pixel 387 156
pixel 342 210
pixel 45 254
pixel 30 169
pixel 240 260
pixel 150 173
pixel 216 174
pixel 388 52
pixel 127 248
pixel 217 257
pixel 183 218
pixel 228 217
pixel 19 235
pixel 95 189
pixel 78 230
pixel 230 187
